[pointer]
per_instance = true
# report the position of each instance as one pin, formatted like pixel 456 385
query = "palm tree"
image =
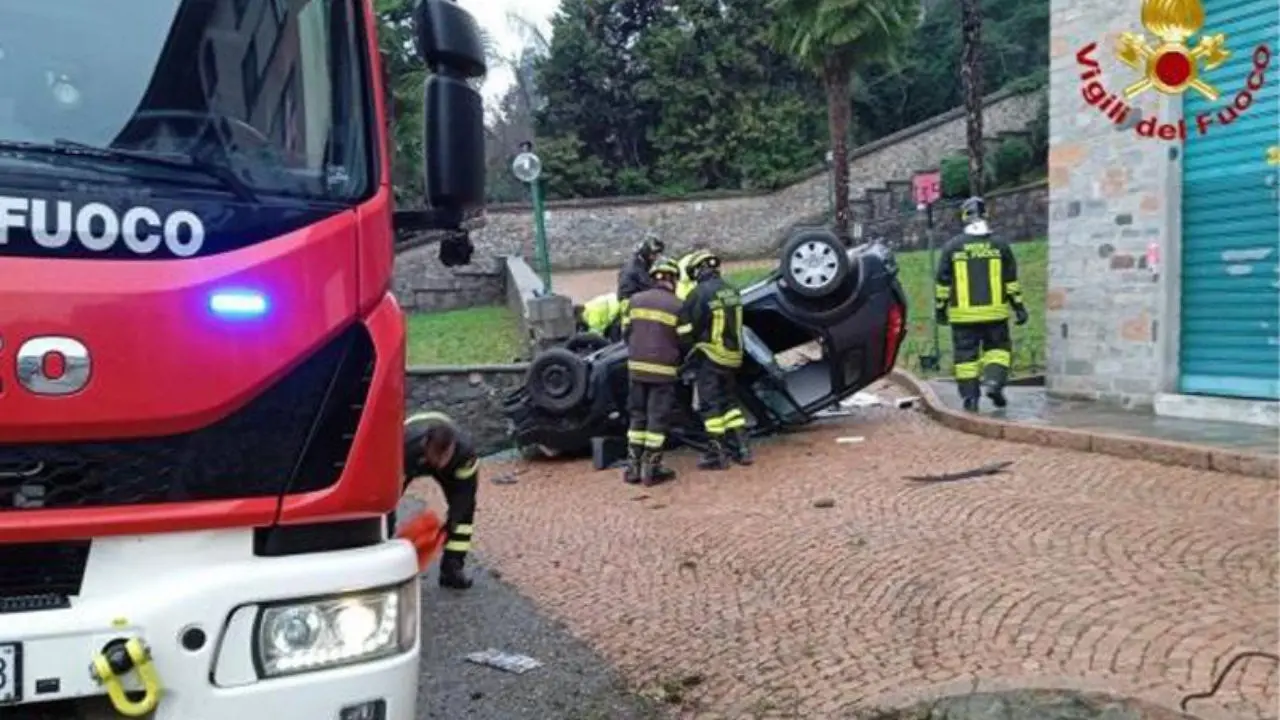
pixel 971 81
pixel 834 38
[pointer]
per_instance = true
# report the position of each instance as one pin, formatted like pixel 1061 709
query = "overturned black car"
pixel 827 323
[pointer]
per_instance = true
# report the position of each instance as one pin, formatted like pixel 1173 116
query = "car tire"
pixel 585 343
pixel 814 263
pixel 824 311
pixel 557 380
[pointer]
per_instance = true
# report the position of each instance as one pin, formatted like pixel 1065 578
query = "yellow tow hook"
pixel 117 659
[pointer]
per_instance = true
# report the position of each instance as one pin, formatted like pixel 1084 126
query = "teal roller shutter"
pixel 1230 334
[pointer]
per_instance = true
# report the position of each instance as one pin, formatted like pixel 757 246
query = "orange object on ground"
pixel 427 533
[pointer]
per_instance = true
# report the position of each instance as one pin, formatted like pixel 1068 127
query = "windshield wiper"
pixel 190 163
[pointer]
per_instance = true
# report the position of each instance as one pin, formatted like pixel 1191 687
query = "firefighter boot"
pixel 996 377
pixel 738 447
pixel 970 391
pixel 631 472
pixel 452 574
pixel 713 458
pixel 653 472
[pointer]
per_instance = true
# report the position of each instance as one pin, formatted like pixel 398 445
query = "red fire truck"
pixel 201 365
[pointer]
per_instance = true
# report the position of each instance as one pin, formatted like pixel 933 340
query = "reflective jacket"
pixel 685 284
pixel 462 466
pixel 711 321
pixel 653 348
pixel 600 311
pixel 977 280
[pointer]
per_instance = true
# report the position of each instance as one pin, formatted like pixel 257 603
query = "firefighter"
pixel 711 321
pixel 653 362
pixel 435 446
pixel 687 282
pixel 977 282
pixel 634 275
pixel 599 315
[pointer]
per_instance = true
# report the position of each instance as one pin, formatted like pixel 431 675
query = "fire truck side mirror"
pixel 453 140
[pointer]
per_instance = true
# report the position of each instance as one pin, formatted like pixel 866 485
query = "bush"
pixel 955 176
pixel 1012 159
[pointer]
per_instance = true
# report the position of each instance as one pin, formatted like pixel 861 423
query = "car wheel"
pixel 557 380
pixel 586 343
pixel 814 263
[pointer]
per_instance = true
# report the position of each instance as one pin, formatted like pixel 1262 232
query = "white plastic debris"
pixel 849 439
pixel 861 399
pixel 510 662
pixel 906 402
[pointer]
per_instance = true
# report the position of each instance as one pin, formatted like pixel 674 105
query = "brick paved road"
pixel 1072 570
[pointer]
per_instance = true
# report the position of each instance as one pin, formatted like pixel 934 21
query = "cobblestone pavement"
pixel 819 580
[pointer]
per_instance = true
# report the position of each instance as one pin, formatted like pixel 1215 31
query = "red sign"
pixel 926 188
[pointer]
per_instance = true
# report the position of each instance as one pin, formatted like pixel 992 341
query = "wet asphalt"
pixel 572 684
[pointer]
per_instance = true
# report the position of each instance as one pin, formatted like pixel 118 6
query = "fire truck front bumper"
pixel 194 626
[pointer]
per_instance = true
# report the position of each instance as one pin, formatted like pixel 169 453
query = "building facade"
pixel 1164 231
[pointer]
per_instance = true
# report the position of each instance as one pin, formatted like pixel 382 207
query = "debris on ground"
pixel 833 413
pixel 861 400
pixel 503 479
pixel 995 468
pixel 906 403
pixel 510 662
pixel 824 503
pixel 849 439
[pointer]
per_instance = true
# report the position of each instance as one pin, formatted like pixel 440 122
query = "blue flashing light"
pixel 238 303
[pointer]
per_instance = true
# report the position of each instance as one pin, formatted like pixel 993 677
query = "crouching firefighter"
pixel 601 315
pixel 653 360
pixel 977 282
pixel 435 446
pixel 711 321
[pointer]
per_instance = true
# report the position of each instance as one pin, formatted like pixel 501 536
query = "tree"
pixel 971 71
pixel 833 38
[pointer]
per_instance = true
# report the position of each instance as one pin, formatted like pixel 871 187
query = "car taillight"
pixel 892 335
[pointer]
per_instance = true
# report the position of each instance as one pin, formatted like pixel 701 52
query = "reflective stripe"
pixel 733 420
pixel 968 370
pixel 995 279
pixel 1014 289
pixel 652 368
pixel 458 546
pixel 658 316
pixel 431 415
pixel 637 437
pixel 720 356
pixel 1002 358
pixel 468 471
pixel 714 425
pixel 942 292
pixel 684 329
pixel 464 530
pixel 961 270
pixel 655 441
pixel 987 313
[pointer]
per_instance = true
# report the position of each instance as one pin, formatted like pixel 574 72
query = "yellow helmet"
pixel 702 259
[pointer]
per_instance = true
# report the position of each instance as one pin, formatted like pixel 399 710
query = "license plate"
pixel 10 673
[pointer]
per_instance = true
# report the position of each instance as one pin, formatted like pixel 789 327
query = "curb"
pixel 1164 452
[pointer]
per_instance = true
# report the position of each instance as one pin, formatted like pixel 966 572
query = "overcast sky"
pixel 492 16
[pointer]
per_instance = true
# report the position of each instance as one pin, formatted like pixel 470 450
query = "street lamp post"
pixel 831 185
pixel 527 168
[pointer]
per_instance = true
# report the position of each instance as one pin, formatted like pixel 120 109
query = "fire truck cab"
pixel 201 361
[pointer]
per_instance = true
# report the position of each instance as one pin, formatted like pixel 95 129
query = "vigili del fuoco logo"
pixel 1171 67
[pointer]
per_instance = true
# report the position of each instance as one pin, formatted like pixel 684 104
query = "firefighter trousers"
pixel 983 351
pixel 460 494
pixel 649 406
pixel 717 399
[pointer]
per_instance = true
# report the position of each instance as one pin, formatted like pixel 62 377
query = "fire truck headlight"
pixel 304 636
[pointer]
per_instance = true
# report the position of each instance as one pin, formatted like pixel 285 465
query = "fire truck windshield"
pixel 252 99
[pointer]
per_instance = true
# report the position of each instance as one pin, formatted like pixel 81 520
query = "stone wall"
pixel 470 395
pixel 1016 214
pixel 601 233
pixel 1111 194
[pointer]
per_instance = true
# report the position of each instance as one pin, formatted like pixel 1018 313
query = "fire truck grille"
pixel 294 437
pixel 40 576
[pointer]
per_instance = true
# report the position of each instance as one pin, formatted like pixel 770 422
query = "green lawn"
pixel 916 275
pixel 471 336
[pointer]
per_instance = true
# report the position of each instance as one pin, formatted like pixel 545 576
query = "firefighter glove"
pixel 1020 314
